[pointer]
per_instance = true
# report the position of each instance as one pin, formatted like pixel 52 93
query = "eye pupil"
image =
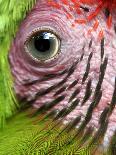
pixel 42 44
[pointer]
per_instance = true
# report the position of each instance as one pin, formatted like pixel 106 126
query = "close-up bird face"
pixel 62 60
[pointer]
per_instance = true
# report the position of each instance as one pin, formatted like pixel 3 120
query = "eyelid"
pixel 41 29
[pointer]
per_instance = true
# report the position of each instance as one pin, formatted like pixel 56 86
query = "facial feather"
pixel 81 79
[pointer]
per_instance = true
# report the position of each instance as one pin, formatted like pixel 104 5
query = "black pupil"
pixel 41 43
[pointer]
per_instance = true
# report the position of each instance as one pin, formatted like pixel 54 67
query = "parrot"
pixel 57 77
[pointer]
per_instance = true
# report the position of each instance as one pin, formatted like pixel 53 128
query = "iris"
pixel 43 45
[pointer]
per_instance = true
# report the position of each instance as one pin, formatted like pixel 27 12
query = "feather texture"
pixel 12 12
pixel 23 136
pixel 40 135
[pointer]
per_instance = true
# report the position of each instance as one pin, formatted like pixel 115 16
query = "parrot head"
pixel 62 60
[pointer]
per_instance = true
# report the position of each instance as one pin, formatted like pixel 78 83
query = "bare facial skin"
pixel 83 70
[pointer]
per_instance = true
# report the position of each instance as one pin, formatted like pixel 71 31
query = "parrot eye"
pixel 43 45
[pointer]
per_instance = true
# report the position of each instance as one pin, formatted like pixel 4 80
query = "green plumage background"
pixel 20 132
pixel 12 12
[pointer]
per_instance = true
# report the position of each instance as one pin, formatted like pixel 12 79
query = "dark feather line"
pixel 86 9
pixel 74 94
pixel 97 98
pixel 65 111
pixel 87 135
pixel 61 113
pixel 82 55
pixel 72 106
pixel 104 115
pixel 54 102
pixel 89 114
pixel 87 68
pixel 92 106
pixel 86 73
pixel 87 118
pixel 46 77
pixel 107 12
pixel 73 84
pixel 46 91
pixel 31 82
pixel 61 90
pixel 70 126
pixel 90 56
pixel 54 75
pixel 101 76
pixel 72 68
pixel 104 65
pixel 70 71
pixel 113 101
pixel 102 48
pixel 73 124
pixel 90 44
pixel 51 114
pixel 47 106
pixel 99 134
pixel 88 92
pixel 51 88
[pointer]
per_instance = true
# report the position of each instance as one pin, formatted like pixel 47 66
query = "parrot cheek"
pixel 82 77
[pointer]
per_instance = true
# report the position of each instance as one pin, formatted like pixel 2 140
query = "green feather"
pixel 12 12
pixel 27 135
pixel 24 135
